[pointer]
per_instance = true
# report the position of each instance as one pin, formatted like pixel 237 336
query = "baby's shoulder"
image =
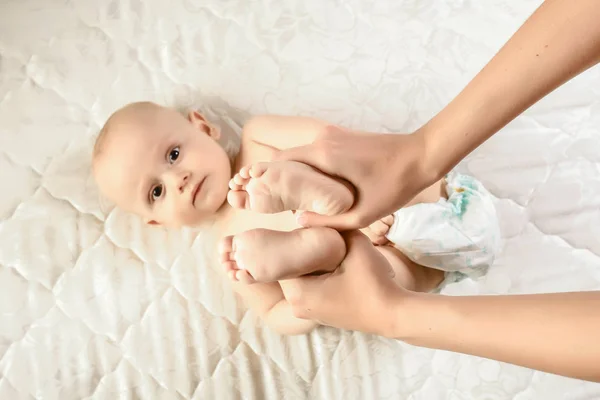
pixel 270 127
pixel 258 142
pixel 272 133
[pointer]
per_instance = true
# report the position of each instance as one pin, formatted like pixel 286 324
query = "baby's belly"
pixel 244 220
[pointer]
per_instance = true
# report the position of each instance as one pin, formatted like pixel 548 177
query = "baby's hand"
pixel 377 230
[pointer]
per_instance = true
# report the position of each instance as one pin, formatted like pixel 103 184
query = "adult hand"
pixel 559 41
pixel 386 170
pixel 359 295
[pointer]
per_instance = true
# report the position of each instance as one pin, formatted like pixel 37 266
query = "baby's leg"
pixel 262 255
pixel 272 187
pixel 410 275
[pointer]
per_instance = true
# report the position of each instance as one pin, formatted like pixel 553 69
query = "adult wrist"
pixel 433 166
pixel 402 312
pixel 418 318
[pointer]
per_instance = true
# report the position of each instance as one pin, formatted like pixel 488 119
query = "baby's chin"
pixel 214 208
pixel 217 199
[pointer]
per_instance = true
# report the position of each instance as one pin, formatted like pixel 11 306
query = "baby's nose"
pixel 178 180
pixel 183 181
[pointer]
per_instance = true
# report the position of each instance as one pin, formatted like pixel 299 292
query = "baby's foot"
pixel 262 255
pixel 272 187
pixel 377 230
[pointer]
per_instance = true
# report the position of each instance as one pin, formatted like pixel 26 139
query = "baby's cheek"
pixel 189 216
pixel 171 215
pixel 220 195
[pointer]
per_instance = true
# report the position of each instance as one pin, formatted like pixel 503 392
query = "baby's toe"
pixel 231 274
pixel 233 185
pixel 238 199
pixel 258 169
pixel 239 180
pixel 243 276
pixel 225 257
pixel 229 266
pixel 245 172
pixel 226 244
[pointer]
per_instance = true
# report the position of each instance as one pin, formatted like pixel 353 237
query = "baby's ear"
pixel 201 123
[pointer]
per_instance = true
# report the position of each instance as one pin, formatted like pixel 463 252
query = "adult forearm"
pixel 557 333
pixel 559 41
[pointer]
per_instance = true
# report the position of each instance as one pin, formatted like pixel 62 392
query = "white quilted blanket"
pixel 93 304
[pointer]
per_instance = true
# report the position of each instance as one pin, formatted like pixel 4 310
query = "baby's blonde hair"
pixel 138 109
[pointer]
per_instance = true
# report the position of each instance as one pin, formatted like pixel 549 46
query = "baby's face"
pixel 168 169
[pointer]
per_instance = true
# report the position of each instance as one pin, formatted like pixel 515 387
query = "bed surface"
pixel 93 304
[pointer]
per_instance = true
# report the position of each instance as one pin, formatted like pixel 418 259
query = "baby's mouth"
pixel 197 190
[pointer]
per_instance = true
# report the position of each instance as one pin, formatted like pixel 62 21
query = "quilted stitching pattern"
pixel 95 305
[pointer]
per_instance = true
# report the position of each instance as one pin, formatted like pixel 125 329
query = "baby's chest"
pixel 244 220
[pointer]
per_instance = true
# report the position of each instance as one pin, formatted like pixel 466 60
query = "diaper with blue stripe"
pixel 459 235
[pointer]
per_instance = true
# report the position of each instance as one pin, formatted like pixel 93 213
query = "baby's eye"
pixel 173 155
pixel 156 193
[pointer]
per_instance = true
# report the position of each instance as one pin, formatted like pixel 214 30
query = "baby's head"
pixel 161 165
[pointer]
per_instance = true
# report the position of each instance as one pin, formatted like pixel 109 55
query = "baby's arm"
pixel 282 132
pixel 267 300
pixel 281 319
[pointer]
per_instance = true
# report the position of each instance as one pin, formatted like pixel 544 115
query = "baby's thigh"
pixel 408 274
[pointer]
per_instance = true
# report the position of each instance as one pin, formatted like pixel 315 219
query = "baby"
pixel 169 169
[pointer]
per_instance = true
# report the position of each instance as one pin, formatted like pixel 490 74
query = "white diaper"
pixel 460 235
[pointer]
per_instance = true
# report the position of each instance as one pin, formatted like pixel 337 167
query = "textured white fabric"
pixel 93 304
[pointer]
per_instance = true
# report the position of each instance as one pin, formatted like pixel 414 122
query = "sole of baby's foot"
pixel 262 255
pixel 229 263
pixel 273 187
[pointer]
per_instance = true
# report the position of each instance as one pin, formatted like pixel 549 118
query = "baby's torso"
pixel 236 221
pixel 241 220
